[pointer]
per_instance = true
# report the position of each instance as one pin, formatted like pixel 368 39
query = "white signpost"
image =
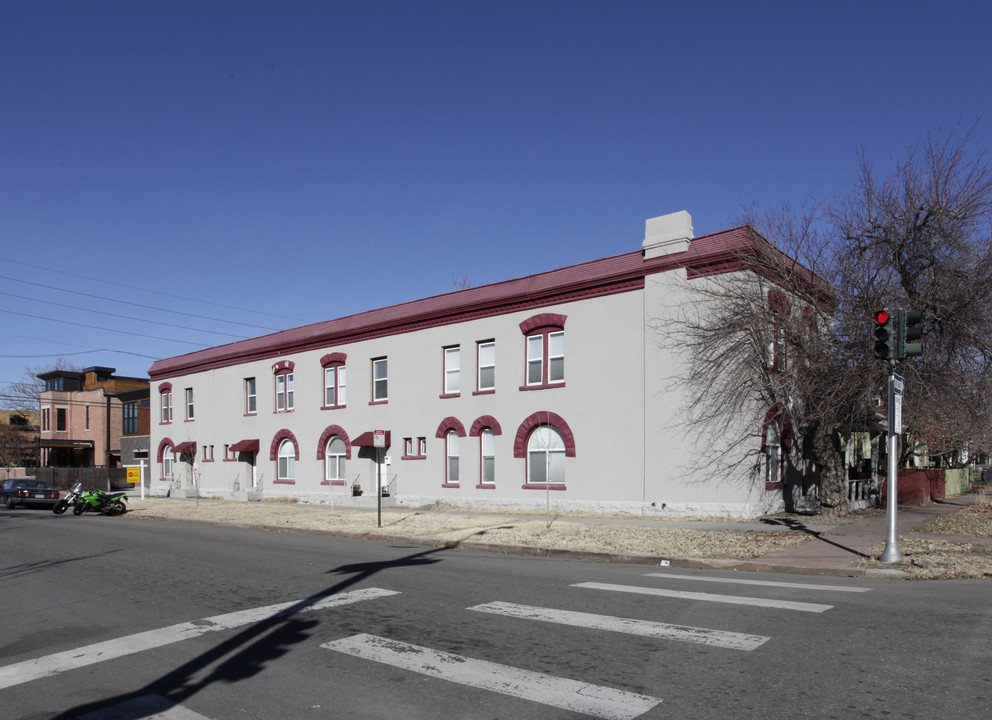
pixel 378 442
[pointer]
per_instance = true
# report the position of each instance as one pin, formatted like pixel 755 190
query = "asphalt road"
pixel 114 618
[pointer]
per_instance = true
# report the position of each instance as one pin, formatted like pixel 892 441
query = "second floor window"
pixel 189 403
pixel 546 358
pixel 335 384
pixel 487 366
pixel 61 419
pixel 452 371
pixel 380 380
pixel 130 426
pixel 166 398
pixel 251 397
pixel 284 392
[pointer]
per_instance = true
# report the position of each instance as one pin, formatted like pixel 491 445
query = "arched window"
pixel 334 460
pixel 487 448
pixel 284 391
pixel 545 457
pixel 776 443
pixel 544 351
pixel 452 456
pixel 168 463
pixel 286 462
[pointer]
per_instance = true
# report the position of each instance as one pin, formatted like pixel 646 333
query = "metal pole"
pixel 891 552
pixel 378 481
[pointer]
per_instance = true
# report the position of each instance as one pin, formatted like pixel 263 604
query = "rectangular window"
pixel 380 380
pixel 61 419
pixel 414 448
pixel 452 371
pixel 451 447
pixel 546 358
pixel 335 384
pixel 251 397
pixel 87 418
pixel 284 392
pixel 208 453
pixel 229 454
pixel 487 366
pixel 556 357
pixel 46 419
pixel 130 426
pixel 535 360
pixel 166 398
pixel 189 404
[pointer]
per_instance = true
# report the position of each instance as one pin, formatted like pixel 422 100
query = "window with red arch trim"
pixel 544 351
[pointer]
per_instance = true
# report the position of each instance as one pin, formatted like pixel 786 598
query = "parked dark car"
pixel 29 492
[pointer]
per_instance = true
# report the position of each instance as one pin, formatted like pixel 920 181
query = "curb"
pixel 756 565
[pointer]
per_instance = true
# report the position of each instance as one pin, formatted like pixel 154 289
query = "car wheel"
pixel 10 503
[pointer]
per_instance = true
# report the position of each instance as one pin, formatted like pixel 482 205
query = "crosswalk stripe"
pixel 564 693
pixel 765 583
pixel 645 628
pixel 710 597
pixel 146 707
pixel 36 668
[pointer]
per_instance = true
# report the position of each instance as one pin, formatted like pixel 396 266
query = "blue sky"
pixel 227 168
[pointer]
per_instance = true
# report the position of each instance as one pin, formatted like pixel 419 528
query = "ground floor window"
pixel 287 461
pixel 545 457
pixel 334 458
pixel 487 444
pixel 451 452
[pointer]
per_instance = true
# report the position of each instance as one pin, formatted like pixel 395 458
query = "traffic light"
pixel 910 332
pixel 884 340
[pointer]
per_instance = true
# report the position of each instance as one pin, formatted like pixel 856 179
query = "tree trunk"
pixel 827 454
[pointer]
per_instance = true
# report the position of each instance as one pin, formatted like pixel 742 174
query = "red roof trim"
pixel 612 275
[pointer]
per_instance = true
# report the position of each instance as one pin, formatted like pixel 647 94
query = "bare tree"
pixel 23 394
pixel 786 343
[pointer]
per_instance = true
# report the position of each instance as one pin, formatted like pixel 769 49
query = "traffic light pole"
pixel 891 552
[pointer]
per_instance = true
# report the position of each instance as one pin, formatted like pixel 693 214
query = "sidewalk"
pixel 834 549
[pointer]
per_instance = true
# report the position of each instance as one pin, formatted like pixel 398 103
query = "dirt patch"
pixel 490 529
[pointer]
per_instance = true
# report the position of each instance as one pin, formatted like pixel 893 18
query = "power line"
pixel 96 327
pixel 89 349
pixel 128 302
pixel 156 292
pixel 124 317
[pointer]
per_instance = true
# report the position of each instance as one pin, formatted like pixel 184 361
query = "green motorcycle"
pixel 90 500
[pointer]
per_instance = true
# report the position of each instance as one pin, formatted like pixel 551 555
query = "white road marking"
pixel 646 628
pixel 766 583
pixel 147 707
pixel 28 670
pixel 710 597
pixel 571 695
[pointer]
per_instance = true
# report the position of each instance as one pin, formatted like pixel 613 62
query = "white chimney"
pixel 667 234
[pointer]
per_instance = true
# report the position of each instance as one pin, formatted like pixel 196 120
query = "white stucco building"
pixel 551 388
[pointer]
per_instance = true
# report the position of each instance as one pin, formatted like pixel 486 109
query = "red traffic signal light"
pixel 885 344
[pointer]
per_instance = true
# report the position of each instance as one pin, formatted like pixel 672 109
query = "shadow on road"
pixel 249 651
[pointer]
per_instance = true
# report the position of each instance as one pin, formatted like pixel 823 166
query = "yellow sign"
pixel 134 474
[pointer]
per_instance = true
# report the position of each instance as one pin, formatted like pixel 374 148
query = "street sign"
pixel 379 438
pixel 134 474
pixel 898 384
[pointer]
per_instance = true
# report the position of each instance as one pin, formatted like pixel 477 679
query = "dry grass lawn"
pixel 490 529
